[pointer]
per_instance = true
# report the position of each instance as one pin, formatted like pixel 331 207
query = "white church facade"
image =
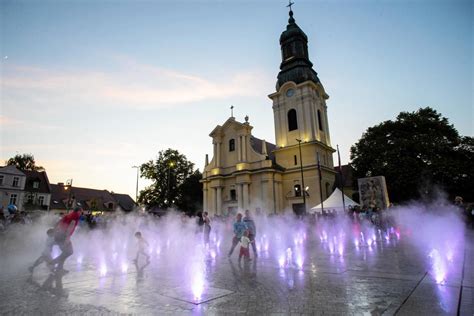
pixel 249 173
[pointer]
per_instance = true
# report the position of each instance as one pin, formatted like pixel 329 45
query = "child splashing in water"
pixel 244 247
pixel 46 254
pixel 142 248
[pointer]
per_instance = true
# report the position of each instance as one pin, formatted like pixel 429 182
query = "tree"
pixel 24 162
pixel 190 194
pixel 417 153
pixel 174 181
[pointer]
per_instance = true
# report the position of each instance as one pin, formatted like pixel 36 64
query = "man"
pixel 239 229
pixel 252 231
pixel 62 237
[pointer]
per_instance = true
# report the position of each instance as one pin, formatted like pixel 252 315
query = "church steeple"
pixel 295 65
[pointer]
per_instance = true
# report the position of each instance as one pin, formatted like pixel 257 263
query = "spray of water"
pixel 176 247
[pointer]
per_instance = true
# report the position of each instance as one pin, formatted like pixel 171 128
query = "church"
pixel 296 172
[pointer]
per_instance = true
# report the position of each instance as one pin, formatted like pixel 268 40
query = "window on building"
pixel 292 121
pixel 297 189
pixel 36 185
pixel 111 205
pixel 30 198
pixel 1 180
pixel 13 199
pixel 16 181
pixel 41 200
pixel 296 160
pixel 328 192
pixel 319 120
pixel 233 195
pixel 232 144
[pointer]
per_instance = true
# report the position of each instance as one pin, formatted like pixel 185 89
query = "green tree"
pixel 190 194
pixel 170 187
pixel 417 153
pixel 24 162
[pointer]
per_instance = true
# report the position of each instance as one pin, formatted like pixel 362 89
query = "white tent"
pixel 334 202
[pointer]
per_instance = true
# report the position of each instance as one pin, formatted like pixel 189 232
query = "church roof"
pixel 256 144
pixel 295 65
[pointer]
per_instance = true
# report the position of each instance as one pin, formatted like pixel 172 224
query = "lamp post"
pixel 136 190
pixel 170 164
pixel 302 177
pixel 68 187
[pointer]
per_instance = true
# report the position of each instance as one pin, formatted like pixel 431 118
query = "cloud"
pixel 131 84
pixel 11 122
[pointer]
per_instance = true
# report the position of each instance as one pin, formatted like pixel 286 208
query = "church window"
pixel 319 120
pixel 296 160
pixel 292 121
pixel 232 144
pixel 233 195
pixel 297 190
pixel 327 190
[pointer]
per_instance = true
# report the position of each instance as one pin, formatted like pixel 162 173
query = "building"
pixel 66 197
pixel 37 191
pixel 124 202
pixel 248 173
pixel 12 185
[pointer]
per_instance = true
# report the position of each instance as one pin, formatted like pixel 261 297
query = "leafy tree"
pixel 24 162
pixel 417 153
pixel 190 194
pixel 173 180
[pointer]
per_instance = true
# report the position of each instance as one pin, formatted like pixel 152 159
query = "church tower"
pixel 248 173
pixel 300 117
pixel 299 103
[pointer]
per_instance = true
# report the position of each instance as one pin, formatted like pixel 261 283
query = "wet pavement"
pixel 314 276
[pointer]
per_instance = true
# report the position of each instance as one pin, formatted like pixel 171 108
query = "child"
pixel 244 246
pixel 142 247
pixel 46 254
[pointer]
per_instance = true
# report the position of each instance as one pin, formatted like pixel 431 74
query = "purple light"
pixel 281 261
pixel 103 270
pixel 124 267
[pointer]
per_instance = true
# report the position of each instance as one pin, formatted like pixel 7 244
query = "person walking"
pixel 62 237
pixel 249 222
pixel 239 229
pixel 207 227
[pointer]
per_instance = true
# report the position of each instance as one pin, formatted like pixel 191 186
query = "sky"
pixel 92 88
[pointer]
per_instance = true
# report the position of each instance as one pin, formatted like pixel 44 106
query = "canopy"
pixel 334 202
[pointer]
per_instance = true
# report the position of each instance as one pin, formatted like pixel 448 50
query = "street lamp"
pixel 302 177
pixel 170 165
pixel 136 190
pixel 68 187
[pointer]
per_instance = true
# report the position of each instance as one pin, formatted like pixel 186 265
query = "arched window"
pixel 297 189
pixel 292 121
pixel 319 120
pixel 232 144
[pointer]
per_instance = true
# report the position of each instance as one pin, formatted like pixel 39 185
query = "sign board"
pixel 373 192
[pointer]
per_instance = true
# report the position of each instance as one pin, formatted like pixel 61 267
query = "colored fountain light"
pixel 281 261
pixel 197 287
pixel 299 262
pixel 103 270
pixel 124 267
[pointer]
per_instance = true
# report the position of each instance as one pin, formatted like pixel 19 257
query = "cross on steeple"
pixel 290 4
